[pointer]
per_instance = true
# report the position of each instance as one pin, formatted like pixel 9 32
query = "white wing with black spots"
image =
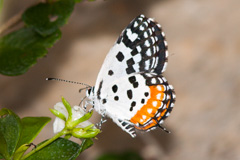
pixel 130 88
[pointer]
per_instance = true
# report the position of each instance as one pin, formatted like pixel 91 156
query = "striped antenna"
pixel 63 80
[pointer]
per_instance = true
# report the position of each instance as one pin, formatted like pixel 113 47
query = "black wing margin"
pixel 148 46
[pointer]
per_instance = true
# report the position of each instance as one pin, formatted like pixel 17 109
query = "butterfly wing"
pixel 141 47
pixel 148 46
pixel 130 88
pixel 140 100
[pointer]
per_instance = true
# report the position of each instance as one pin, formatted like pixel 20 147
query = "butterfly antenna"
pixel 63 80
pixel 80 90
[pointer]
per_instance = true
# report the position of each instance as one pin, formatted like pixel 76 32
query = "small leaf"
pixel 59 149
pixel 88 127
pixel 58 114
pixel 31 128
pixel 68 107
pixel 86 143
pixel 46 18
pixel 81 133
pixel 3 147
pixel 10 128
pixel 4 111
pixel 82 119
pixel 19 50
pixel 20 151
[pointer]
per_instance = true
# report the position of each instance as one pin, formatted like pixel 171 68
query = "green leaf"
pixel 59 149
pixel 10 128
pixel 82 119
pixel 68 107
pixel 82 133
pixel 46 18
pixel 86 143
pixel 19 50
pixel 3 147
pixel 31 128
pixel 58 114
pixel 20 151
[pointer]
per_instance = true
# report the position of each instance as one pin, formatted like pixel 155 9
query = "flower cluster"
pixel 73 121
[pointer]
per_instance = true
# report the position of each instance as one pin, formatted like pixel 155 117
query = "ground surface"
pixel 204 68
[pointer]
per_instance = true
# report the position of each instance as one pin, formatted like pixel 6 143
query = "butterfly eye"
pixel 89 91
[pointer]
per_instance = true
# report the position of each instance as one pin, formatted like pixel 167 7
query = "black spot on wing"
pixel 104 101
pixel 114 88
pixel 116 98
pixel 134 52
pixel 130 70
pixel 133 104
pixel 146 94
pixel 129 94
pixel 132 79
pixel 130 62
pixel 110 72
pixel 99 90
pixel 135 84
pixel 120 56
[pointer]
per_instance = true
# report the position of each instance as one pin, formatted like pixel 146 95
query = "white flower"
pixel 77 112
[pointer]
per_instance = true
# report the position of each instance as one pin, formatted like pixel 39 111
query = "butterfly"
pixel 130 88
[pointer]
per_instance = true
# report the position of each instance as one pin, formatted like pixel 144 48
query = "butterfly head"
pixel 89 92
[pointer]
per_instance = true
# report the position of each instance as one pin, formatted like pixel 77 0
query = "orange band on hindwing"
pixel 151 108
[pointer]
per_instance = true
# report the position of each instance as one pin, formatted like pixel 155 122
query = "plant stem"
pixel 64 131
pixel 14 20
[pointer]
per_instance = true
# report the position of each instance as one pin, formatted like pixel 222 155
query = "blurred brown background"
pixel 204 68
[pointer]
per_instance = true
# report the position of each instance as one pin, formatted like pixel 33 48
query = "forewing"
pixel 148 46
pixel 141 47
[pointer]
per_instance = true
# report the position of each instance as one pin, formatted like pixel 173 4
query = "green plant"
pixel 17 135
pixel 20 49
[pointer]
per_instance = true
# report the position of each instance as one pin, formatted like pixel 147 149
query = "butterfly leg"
pixel 102 120
pixel 85 104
